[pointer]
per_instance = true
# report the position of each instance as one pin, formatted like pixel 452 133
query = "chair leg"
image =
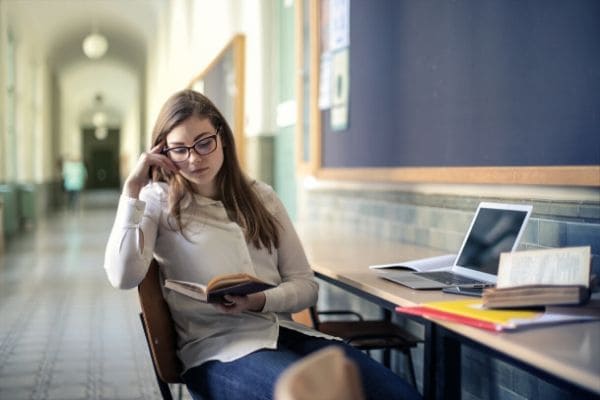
pixel 410 367
pixel 387 358
pixel 164 390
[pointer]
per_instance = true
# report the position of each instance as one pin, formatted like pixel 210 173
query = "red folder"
pixel 427 312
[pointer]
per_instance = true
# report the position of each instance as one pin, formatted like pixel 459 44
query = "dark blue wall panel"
pixel 471 83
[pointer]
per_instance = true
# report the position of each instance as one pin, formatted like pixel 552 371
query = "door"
pixel 101 158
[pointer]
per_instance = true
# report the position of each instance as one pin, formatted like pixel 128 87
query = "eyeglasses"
pixel 202 147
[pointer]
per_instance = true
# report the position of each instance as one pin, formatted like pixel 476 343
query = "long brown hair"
pixel 235 190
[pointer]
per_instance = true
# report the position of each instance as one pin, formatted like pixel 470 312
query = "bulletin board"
pixel 222 81
pixel 457 92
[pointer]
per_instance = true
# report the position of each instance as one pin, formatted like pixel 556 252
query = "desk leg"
pixel 449 366
pixel 386 358
pixel 429 357
pixel 442 370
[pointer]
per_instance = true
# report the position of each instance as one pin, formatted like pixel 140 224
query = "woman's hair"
pixel 234 189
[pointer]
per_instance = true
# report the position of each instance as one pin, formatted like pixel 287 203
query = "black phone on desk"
pixel 465 291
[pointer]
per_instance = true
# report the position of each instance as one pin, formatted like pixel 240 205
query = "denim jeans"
pixel 253 377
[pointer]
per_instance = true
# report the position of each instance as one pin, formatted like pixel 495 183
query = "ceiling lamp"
pixel 101 132
pixel 95 45
pixel 99 119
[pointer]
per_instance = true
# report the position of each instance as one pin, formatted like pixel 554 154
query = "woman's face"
pixel 200 170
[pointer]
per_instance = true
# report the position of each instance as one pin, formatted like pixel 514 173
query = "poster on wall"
pixel 340 89
pixel 325 81
pixel 334 82
pixel 339 24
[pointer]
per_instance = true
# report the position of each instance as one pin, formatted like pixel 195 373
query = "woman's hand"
pixel 139 177
pixel 239 304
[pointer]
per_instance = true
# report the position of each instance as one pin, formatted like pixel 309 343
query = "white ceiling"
pixel 59 26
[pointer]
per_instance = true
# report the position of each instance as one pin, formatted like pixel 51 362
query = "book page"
pixel 190 289
pixel 422 264
pixel 564 266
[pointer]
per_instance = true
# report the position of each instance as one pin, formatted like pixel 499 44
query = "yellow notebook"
pixel 471 312
pixel 473 308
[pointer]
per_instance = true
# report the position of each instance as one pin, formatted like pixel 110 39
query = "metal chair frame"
pixel 369 335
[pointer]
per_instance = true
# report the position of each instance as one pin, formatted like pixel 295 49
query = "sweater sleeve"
pixel 131 242
pixel 298 289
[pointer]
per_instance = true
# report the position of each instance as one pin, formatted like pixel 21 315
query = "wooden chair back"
pixel 159 327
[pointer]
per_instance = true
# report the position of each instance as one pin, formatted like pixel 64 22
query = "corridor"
pixel 65 333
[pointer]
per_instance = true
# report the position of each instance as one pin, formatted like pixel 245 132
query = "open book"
pixel 231 284
pixel 541 278
pixel 420 265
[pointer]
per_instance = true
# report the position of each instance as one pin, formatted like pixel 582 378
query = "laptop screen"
pixel 494 231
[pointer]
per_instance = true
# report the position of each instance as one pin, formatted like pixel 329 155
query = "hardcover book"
pixel 541 278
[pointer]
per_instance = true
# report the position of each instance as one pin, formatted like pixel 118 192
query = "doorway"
pixel 101 158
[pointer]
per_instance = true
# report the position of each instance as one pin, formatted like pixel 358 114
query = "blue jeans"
pixel 253 377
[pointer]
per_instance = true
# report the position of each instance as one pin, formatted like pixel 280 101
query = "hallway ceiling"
pixel 59 26
pixel 54 31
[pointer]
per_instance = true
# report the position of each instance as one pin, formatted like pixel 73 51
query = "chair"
pixel 369 335
pixel 160 332
pixel 325 375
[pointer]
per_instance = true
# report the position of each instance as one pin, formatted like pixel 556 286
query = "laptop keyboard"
pixel 449 278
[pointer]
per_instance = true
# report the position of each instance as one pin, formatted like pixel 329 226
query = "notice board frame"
pixel 309 134
pixel 223 81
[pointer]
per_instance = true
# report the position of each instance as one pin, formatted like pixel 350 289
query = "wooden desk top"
pixel 571 351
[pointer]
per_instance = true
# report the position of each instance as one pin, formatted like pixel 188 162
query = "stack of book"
pixel 541 278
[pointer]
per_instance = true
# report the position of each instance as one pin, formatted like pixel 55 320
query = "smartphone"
pixel 465 291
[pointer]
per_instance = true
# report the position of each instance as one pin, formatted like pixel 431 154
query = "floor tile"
pixel 66 334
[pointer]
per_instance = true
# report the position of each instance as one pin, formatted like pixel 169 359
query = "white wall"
pixel 3 66
pixel 192 33
pixel 29 161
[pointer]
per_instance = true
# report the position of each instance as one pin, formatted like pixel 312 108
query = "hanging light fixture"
pixel 99 118
pixel 95 45
pixel 101 132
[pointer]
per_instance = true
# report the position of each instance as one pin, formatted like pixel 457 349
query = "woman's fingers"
pixel 155 158
pixel 233 304
pixel 158 148
pixel 139 176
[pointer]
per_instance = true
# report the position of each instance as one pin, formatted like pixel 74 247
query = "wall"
pixel 25 125
pixel 284 157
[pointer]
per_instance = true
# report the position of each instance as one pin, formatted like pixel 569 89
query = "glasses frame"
pixel 189 149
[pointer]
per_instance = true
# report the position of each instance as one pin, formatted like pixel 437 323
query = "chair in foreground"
pixel 324 375
pixel 160 333
pixel 369 335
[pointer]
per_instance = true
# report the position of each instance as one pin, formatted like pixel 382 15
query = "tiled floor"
pixel 65 333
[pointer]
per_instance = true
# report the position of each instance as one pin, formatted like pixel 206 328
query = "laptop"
pixel 496 228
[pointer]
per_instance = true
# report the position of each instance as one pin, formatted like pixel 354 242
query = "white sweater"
pixel 216 246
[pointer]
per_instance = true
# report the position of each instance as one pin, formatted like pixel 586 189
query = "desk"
pixel 567 355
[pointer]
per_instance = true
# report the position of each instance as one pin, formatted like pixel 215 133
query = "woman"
pixel 200 216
